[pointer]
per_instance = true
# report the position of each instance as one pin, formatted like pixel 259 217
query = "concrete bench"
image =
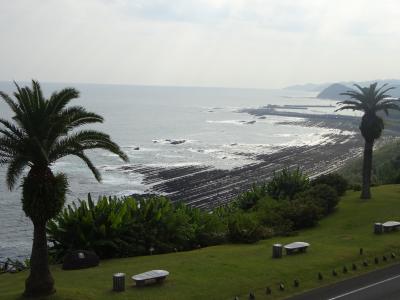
pixel 296 247
pixel 150 276
pixel 390 225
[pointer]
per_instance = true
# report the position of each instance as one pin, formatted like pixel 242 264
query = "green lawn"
pixel 223 272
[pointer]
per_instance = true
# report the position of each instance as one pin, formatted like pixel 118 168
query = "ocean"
pixel 166 127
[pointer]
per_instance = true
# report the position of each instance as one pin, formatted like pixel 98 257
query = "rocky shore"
pixel 206 187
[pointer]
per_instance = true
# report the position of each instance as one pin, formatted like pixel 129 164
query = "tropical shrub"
pixel 123 227
pixel 244 228
pixel 102 227
pixel 322 195
pixel 287 183
pixel 338 182
pixel 303 213
pixel 249 199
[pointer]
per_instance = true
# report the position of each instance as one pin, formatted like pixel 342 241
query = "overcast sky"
pixel 232 43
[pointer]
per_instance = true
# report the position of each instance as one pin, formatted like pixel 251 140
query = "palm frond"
pixel 386 106
pixel 59 100
pixel 44 130
pixel 15 168
pixel 352 107
pixel 11 127
pixel 90 165
pixel 86 140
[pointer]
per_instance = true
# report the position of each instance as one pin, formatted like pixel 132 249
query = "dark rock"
pixel 136 148
pixel 177 142
pixel 80 259
pixel 144 196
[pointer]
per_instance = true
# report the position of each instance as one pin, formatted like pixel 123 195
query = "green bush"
pixel 286 184
pixel 322 195
pixel 334 180
pixel 285 216
pixel 303 213
pixel 244 228
pixel 123 227
pixel 249 199
pixel 272 214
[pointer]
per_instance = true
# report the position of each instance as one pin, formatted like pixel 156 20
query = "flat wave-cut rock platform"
pixel 206 187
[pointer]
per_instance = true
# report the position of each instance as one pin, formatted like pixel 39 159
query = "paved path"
pixel 382 284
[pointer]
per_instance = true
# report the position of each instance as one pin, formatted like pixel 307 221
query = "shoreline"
pixel 207 187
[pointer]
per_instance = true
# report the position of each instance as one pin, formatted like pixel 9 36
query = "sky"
pixel 228 43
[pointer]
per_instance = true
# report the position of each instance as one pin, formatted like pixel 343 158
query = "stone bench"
pixel 390 226
pixel 296 247
pixel 386 227
pixel 150 276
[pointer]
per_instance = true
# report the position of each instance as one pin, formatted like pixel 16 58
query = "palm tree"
pixel 41 132
pixel 369 100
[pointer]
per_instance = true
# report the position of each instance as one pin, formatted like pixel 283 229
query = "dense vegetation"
pixel 385 166
pixel 232 270
pixel 123 227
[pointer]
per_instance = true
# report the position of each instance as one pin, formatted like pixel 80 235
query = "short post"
pixel 277 251
pixel 119 282
pixel 378 228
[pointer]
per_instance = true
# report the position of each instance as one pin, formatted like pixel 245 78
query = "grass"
pixel 223 272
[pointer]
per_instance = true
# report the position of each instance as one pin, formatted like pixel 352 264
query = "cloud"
pixel 243 43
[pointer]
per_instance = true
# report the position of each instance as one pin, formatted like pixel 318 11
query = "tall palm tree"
pixel 41 132
pixel 369 100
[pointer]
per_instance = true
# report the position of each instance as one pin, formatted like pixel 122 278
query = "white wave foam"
pixel 233 122
pixel 177 165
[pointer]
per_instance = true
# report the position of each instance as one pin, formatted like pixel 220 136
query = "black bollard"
pixel 334 273
pixel 320 277
pixel 345 270
pixel 365 263
pixel 361 251
pixel 268 290
pixel 376 260
pixel 354 267
pixel 296 283
pixel 252 296
pixel 384 258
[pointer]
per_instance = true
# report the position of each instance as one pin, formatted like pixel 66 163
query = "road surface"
pixel 382 284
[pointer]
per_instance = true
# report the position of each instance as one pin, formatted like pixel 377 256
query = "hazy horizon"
pixel 199 43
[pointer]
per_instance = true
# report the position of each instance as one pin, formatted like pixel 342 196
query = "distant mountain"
pixel 333 92
pixel 308 87
pixel 314 87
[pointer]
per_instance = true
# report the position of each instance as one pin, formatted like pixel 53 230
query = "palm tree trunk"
pixel 40 282
pixel 367 168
